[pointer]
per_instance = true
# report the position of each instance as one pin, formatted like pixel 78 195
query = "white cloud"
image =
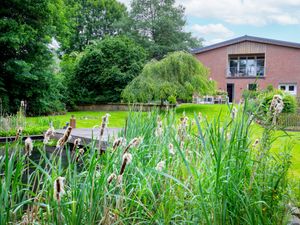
pixel 212 33
pixel 251 12
pixel 211 29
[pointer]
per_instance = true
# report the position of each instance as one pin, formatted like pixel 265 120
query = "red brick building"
pixel 245 62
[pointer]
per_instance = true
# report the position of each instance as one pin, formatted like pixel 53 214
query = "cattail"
pixel 133 143
pixel 182 129
pixel 67 135
pixel 59 190
pixel 255 143
pixel 160 166
pixel 234 113
pixel 112 177
pixel 200 116
pixel 28 146
pixel 77 142
pixel 127 158
pixel 171 149
pixel 276 107
pixel 50 132
pixel 119 179
pixel 80 153
pixel 159 130
pixel 117 142
pixel 19 133
pixel 104 123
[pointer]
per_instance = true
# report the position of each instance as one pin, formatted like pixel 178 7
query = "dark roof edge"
pixel 246 38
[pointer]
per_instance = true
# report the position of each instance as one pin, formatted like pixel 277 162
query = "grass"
pixel 90 119
pixel 215 177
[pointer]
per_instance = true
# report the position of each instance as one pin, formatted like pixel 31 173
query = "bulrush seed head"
pixel 234 113
pixel 50 132
pixel 171 149
pixel 112 177
pixel 59 188
pixel 28 146
pixel 63 140
pixel 77 142
pixel 127 158
pixel 19 133
pixel 160 166
pixel 118 142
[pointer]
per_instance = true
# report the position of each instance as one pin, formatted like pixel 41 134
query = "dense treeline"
pixel 59 53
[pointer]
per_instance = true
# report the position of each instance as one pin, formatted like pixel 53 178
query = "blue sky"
pixel 220 20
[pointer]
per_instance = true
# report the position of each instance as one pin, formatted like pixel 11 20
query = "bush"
pixel 172 99
pixel 290 103
pixel 104 69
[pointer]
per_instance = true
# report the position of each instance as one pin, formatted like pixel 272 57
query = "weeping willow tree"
pixel 178 75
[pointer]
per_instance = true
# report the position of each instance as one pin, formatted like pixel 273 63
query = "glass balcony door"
pixel 242 66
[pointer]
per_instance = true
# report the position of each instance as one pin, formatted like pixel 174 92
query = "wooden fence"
pixel 289 121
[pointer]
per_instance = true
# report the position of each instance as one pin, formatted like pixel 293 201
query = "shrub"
pixel 172 99
pixel 290 103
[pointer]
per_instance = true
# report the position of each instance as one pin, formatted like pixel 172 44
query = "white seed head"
pixel 127 157
pixel 160 166
pixel 171 149
pixel 112 177
pixel 28 146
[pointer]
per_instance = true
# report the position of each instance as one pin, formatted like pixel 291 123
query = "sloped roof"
pixel 246 38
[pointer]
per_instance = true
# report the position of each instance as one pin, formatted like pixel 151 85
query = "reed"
pixel 216 176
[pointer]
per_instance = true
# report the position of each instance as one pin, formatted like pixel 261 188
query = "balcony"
pixel 245 72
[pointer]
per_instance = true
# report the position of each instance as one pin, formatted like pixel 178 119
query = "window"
pixel 252 87
pixel 246 66
pixel 290 88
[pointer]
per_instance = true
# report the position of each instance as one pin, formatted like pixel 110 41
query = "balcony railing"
pixel 246 72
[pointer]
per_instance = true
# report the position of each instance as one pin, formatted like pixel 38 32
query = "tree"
pixel 92 20
pixel 104 69
pixel 180 74
pixel 25 74
pixel 158 25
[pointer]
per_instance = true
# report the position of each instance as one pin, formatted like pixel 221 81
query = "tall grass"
pixel 216 176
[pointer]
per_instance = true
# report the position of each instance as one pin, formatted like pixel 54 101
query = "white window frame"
pixel 287 85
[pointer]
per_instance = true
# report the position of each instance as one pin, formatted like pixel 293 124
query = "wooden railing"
pixel 289 121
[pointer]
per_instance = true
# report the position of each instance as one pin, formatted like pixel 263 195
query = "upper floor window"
pixel 246 66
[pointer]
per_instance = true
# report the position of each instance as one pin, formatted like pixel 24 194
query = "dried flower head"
pixel 50 132
pixel 160 166
pixel 133 143
pixel 159 130
pixel 62 141
pixel 234 113
pixel 112 177
pixel 19 133
pixel 182 129
pixel 119 179
pixel 171 149
pixel 200 116
pixel 77 142
pixel 118 142
pixel 127 158
pixel 59 190
pixel 276 107
pixel 28 146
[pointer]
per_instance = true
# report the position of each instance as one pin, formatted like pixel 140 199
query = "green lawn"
pixel 117 119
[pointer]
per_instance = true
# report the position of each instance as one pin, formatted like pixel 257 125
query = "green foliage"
pixel 290 103
pixel 172 99
pixel 178 75
pixel 104 69
pixel 216 177
pixel 93 20
pixel 25 64
pixel 158 25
